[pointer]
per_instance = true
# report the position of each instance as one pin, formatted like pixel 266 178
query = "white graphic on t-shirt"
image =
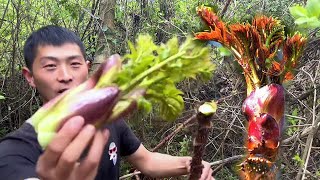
pixel 113 152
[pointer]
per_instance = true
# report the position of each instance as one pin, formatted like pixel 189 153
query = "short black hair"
pixel 49 35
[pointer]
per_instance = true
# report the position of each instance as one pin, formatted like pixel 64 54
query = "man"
pixel 55 59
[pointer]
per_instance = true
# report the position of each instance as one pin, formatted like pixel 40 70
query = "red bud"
pixel 268 99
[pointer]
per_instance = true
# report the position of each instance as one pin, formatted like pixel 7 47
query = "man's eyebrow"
pixel 52 58
pixel 74 57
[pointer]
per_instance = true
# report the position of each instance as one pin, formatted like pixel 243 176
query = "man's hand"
pixel 61 158
pixel 206 171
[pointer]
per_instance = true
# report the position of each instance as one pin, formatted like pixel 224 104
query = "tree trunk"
pixel 139 18
pixel 106 31
pixel 167 11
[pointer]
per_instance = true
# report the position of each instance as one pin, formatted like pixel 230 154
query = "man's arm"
pixel 14 167
pixel 163 165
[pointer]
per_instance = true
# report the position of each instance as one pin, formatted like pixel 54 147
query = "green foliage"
pixel 307 17
pixel 158 68
pixel 20 18
pixel 298 159
pixel 185 146
pixel 224 51
pixel 293 122
pixel 226 174
pixel 245 10
pixel 2 97
pixel 3 131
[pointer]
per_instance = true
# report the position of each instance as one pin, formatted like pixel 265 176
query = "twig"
pixel 224 10
pixel 217 169
pixel 167 138
pixel 130 175
pixel 227 160
pixel 4 13
pixel 306 94
pixel 307 150
pixel 93 11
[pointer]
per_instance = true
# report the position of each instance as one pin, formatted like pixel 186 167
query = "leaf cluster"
pixel 293 122
pixel 308 16
pixel 158 68
pixel 260 47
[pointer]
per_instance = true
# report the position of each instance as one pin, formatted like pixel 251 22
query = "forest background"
pixel 105 26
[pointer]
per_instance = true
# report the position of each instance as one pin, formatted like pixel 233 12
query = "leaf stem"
pixel 270 36
pixel 127 87
pixel 255 79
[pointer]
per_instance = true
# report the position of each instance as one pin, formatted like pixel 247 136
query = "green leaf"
pixel 302 20
pixel 313 22
pixel 306 22
pixel 298 11
pixel 295 112
pixel 172 104
pixel 2 97
pixel 313 8
pixel 298 159
pixel 145 105
pixel 293 121
pixel 169 100
pixel 224 51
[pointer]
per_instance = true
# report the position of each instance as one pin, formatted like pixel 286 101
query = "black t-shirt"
pixel 20 150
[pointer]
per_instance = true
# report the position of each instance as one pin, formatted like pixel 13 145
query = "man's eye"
pixel 50 66
pixel 76 64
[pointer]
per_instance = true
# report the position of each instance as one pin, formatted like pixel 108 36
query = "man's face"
pixel 56 69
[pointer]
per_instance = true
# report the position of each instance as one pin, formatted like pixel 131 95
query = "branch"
pixel 93 11
pixel 176 131
pixel 4 14
pixel 307 94
pixel 227 160
pixel 307 149
pixel 224 10
pixel 130 175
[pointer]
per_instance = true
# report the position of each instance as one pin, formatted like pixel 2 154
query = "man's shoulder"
pixel 20 141
pixel 19 153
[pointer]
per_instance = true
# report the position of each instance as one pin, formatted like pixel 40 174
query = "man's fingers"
pixel 209 177
pixel 206 171
pixel 51 155
pixel 73 152
pixel 89 165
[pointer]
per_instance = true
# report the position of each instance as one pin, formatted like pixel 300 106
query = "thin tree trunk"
pixel 107 25
pixel 167 9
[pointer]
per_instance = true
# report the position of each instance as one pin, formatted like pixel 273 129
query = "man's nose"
pixel 65 75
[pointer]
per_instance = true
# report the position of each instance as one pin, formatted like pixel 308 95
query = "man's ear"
pixel 89 64
pixel 28 75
